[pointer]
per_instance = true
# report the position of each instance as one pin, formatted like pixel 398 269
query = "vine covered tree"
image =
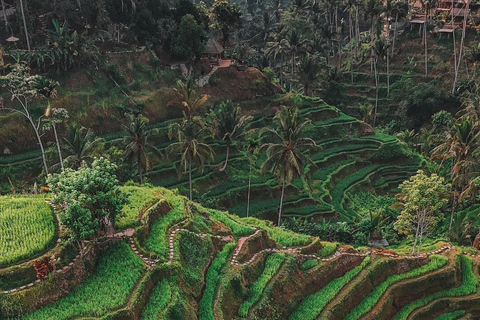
pixel 284 149
pixel 422 197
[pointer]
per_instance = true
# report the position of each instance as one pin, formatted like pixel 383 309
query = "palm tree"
pixel 228 125
pixel 380 51
pixel 189 99
pixel 189 134
pixel 251 149
pixel 459 145
pixel 136 145
pixel 308 71
pixel 79 145
pixel 366 111
pixel 278 47
pixel 284 154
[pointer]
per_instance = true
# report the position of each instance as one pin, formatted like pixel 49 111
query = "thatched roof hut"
pixel 213 47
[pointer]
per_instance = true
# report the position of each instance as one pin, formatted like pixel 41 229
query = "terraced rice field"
pixel 27 228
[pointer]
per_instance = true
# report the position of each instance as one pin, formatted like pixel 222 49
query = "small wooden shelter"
pixel 213 51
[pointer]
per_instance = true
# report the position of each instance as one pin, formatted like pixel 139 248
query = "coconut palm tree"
pixel 308 72
pixel 380 50
pixel 459 144
pixel 136 144
pixel 79 145
pixel 284 149
pixel 251 147
pixel 189 133
pixel 189 99
pixel 278 47
pixel 228 125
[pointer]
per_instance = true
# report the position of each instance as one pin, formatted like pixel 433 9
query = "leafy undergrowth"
pixel 27 228
pixel 109 288
pixel 281 236
pixel 311 306
pixel 367 304
pixel 468 286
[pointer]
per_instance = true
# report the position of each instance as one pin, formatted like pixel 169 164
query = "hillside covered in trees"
pixel 282 159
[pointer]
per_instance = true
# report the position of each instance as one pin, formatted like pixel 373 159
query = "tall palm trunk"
pixel 226 159
pixel 464 27
pixel 25 24
pixel 281 202
pixel 140 175
pixel 249 188
pixel 376 92
pixel 388 73
pixel 190 179
pixel 425 37
pixel 395 33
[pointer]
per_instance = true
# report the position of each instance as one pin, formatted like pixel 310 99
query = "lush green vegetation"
pixel 468 286
pixel 109 288
pixel 139 200
pixel 367 304
pixel 27 228
pixel 451 315
pixel 158 301
pixel 272 265
pixel 281 236
pixel 311 306
pixel 157 241
pixel 213 278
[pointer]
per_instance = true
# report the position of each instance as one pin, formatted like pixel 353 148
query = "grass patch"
pixel 213 278
pixel 328 248
pixel 272 265
pixel 281 236
pixel 158 301
pixel 109 288
pixel 140 199
pixel 451 315
pixel 312 305
pixel 157 241
pixel 27 228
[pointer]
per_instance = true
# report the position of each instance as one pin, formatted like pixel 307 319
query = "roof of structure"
pixel 213 47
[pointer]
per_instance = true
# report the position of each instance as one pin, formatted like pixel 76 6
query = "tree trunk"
pixel 139 166
pixel 226 159
pixel 416 236
pixel 388 73
pixel 453 211
pixel 425 36
pixel 376 93
pixel 249 188
pixel 281 203
pixel 25 25
pixel 40 143
pixel 395 33
pixel 58 145
pixel 457 67
pixel 4 15
pixel 190 179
